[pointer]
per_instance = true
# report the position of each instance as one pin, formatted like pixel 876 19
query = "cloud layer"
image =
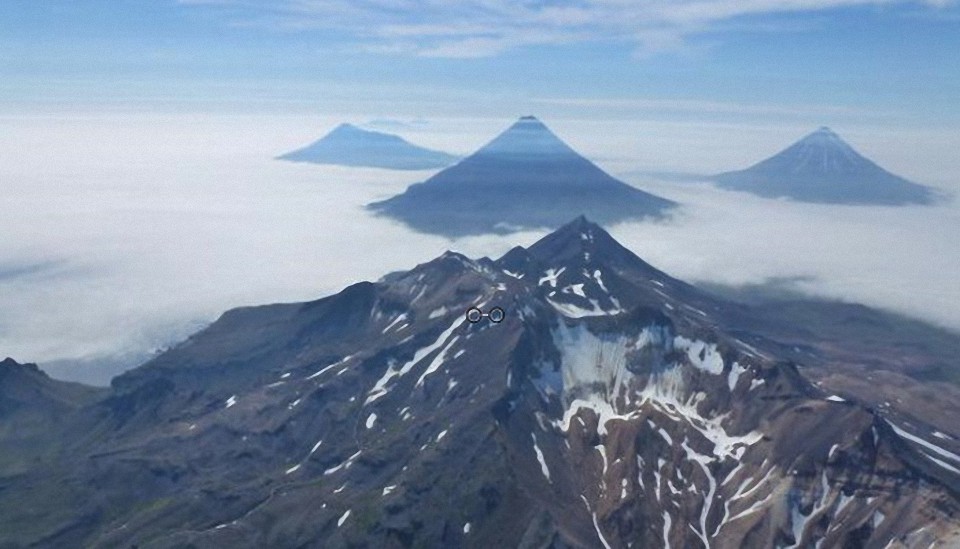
pixel 123 233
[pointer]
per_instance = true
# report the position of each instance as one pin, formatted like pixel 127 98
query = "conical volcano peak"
pixel 822 167
pixel 526 177
pixel 346 129
pixel 582 229
pixel 580 270
pixel 822 153
pixel 825 137
pixel 581 234
pixel 349 145
pixel 583 241
pixel 528 136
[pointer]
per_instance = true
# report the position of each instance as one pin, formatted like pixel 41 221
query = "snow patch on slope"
pixel 543 463
pixel 550 277
pixel 380 387
pixel 701 354
pixel 572 311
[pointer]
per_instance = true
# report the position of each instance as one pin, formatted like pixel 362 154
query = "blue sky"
pixel 889 61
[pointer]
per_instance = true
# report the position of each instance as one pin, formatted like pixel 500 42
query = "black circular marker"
pixel 474 315
pixel 496 315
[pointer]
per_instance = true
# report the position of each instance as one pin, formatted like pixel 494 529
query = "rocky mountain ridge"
pixel 614 406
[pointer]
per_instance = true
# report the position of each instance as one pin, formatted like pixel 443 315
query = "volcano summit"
pixel 525 178
pixel 824 168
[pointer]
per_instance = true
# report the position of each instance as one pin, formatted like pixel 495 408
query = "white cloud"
pixel 488 27
pixel 124 231
pixel 901 259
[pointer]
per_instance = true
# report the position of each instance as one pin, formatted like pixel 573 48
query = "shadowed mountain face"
pixel 525 178
pixel 34 410
pixel 614 406
pixel 348 145
pixel 822 167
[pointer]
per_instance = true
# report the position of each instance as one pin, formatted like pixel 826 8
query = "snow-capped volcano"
pixel 614 406
pixel 525 178
pixel 822 167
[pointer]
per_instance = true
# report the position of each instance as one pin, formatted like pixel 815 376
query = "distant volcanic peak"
pixel 825 131
pixel 524 178
pixel 349 145
pixel 528 136
pixel 345 127
pixel 822 167
pixel 827 140
pixel 349 131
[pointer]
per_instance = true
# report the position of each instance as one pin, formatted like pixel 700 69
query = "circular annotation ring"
pixel 495 315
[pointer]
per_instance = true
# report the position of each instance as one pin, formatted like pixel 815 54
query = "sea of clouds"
pixel 121 233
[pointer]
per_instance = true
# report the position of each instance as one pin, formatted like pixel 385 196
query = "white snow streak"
pixel 402 317
pixel 572 311
pixel 734 375
pixel 380 387
pixel 944 464
pixel 666 529
pixel 330 367
pixel 596 276
pixel 596 525
pixel 666 436
pixel 550 277
pixel 437 361
pixel 345 465
pixel 543 463
pixel 702 460
pixel 926 445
